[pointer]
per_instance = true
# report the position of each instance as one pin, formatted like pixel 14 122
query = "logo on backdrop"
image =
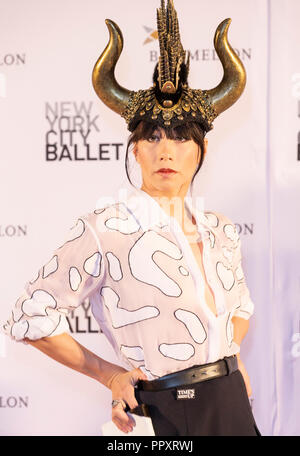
pixel 295 345
pixel 245 228
pixel 14 401
pixel 73 131
pixel 196 54
pixel 13 230
pixel 81 320
pixel 12 59
pixel 152 35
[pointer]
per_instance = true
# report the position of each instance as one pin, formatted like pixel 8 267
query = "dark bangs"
pixel 191 130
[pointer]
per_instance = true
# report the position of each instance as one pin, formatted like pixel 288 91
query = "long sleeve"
pixel 246 306
pixel 73 273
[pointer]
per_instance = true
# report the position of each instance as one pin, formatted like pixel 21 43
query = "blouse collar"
pixel 149 213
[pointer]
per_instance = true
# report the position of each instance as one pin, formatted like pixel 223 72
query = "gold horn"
pixel 234 80
pixel 103 77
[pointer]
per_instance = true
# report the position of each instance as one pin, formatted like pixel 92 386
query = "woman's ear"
pixel 205 146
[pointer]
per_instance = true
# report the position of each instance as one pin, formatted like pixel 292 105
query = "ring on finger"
pixel 116 402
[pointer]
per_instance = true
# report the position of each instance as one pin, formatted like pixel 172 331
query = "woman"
pixel 164 279
pixel 181 149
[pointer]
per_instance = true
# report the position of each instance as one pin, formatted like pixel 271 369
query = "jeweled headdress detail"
pixel 170 101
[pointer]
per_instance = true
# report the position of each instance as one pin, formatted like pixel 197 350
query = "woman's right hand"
pixel 122 388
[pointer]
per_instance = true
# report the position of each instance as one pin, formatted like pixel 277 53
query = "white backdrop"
pixel 61 149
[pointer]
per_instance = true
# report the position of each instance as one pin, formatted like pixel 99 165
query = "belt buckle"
pixel 230 364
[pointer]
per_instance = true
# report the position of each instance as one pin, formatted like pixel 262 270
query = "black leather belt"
pixel 191 375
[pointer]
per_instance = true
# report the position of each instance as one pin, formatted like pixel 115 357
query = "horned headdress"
pixel 170 101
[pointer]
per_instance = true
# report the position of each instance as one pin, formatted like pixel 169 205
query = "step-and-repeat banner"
pixel 62 149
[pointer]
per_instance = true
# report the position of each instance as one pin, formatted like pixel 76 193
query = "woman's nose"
pixel 166 149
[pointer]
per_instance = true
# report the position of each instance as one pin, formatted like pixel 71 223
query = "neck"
pixel 172 204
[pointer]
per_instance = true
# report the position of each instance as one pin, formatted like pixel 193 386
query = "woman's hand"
pixel 122 388
pixel 245 375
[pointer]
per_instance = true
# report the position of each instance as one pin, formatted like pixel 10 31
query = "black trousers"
pixel 220 408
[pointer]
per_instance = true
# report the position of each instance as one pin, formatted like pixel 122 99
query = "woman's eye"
pixel 153 138
pixel 180 139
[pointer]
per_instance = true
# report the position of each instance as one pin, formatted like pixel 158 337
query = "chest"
pixel 196 246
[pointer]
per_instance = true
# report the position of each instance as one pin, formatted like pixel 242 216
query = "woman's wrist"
pixel 110 374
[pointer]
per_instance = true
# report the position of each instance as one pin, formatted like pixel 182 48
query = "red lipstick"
pixel 166 171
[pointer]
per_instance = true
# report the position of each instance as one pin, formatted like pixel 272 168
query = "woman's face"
pixel 157 152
